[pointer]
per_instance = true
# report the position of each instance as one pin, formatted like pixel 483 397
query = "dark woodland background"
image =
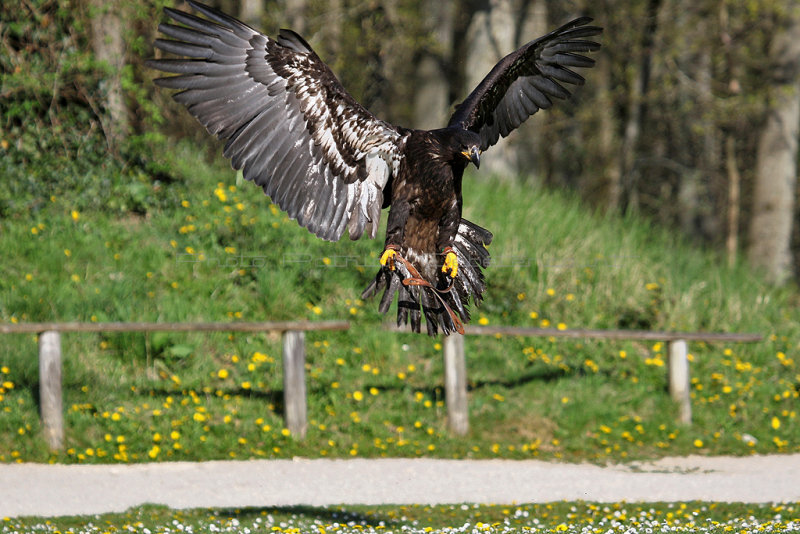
pixel 690 116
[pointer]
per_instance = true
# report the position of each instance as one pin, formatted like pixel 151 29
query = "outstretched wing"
pixel 526 80
pixel 288 122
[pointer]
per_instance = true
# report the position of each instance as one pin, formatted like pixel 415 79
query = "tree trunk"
pixel 637 110
pixel 734 195
pixel 776 162
pixel 490 37
pixel 606 188
pixel 251 12
pixel 296 15
pixel 108 46
pixel 431 98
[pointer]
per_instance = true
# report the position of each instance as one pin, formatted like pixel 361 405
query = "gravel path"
pixel 53 490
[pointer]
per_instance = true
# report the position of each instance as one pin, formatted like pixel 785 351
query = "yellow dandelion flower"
pixel 75 214
pixel 483 321
pixel 698 443
pixel 222 373
pixel 357 395
pixel 776 423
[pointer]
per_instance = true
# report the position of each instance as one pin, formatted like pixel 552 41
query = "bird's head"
pixel 470 146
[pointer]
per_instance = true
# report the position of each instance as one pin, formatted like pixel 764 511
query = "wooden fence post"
pixel 294 382
pixel 455 384
pixel 50 389
pixel 679 385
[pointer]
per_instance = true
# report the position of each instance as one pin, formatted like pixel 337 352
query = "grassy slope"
pixel 219 253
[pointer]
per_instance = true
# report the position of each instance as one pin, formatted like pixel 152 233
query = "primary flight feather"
pixel 292 128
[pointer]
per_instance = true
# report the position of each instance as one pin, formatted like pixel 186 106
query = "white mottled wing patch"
pixel 287 121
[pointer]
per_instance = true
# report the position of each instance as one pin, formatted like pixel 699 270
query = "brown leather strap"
pixel 417 280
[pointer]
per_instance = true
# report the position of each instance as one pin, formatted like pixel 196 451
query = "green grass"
pixel 577 517
pixel 199 248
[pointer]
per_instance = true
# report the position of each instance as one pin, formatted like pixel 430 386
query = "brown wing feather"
pixel 527 80
pixel 287 121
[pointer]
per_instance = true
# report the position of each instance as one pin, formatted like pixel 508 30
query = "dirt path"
pixel 52 490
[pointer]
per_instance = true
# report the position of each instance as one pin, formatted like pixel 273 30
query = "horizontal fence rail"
pixel 643 335
pixel 50 358
pixel 678 374
pixel 293 353
pixel 267 326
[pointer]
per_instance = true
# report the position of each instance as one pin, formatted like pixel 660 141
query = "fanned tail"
pixel 443 308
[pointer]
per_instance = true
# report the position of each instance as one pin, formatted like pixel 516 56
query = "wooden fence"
pixel 50 395
pixel 294 387
pixel 678 376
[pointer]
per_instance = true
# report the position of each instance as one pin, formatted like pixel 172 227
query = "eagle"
pixel 331 165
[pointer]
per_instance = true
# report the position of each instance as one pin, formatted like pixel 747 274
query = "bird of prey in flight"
pixel 333 166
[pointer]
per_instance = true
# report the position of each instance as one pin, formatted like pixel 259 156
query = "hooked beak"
pixel 473 155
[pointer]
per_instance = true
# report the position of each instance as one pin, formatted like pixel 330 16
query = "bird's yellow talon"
pixel 387 259
pixel 450 264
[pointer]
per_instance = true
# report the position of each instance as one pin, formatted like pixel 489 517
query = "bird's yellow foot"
pixel 450 262
pixel 387 258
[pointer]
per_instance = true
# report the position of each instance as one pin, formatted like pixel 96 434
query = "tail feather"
pixel 414 301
